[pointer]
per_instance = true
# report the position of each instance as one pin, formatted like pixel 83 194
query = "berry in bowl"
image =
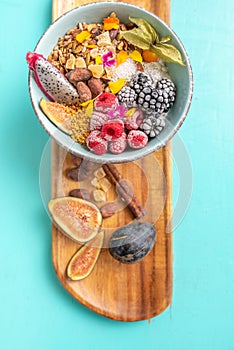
pixel 110 83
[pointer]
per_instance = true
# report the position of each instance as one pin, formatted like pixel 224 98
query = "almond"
pixel 83 91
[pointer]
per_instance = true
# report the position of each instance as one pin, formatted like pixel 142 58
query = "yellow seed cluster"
pixel 80 127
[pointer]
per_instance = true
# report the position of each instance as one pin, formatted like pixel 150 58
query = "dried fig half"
pixel 84 260
pixel 77 218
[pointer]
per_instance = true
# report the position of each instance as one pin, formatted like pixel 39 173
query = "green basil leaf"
pixel 165 39
pixel 168 53
pixel 147 30
pixel 135 37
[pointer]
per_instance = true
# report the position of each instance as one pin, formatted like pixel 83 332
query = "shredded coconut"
pixel 125 70
pixel 156 70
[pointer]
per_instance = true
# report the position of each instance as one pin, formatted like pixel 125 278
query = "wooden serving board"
pixel 119 291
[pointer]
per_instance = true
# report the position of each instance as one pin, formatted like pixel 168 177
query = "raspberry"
pixel 134 120
pixel 97 120
pixel 137 139
pixel 105 102
pixel 112 129
pixel 119 145
pixel 96 143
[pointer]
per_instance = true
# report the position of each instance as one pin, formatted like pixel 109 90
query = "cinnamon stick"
pixel 124 190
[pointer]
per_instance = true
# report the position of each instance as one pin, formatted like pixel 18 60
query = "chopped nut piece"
pixel 99 196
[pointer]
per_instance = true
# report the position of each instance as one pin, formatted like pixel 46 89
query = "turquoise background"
pixel 35 311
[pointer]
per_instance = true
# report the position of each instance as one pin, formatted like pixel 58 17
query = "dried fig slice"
pixel 84 260
pixel 77 218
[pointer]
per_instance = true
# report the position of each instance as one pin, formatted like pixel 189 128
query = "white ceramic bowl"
pixel 181 76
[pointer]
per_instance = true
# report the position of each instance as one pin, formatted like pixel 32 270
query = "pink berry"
pixel 97 120
pixel 112 129
pixel 137 139
pixel 105 102
pixel 119 145
pixel 133 122
pixel 96 143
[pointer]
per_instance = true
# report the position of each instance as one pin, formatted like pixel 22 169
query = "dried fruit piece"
pixel 131 243
pixel 104 184
pixel 99 173
pixel 96 69
pixel 99 195
pixel 58 113
pixel 84 35
pixel 70 64
pixel 80 62
pixel 83 261
pixel 111 23
pixel 77 218
pixel 104 39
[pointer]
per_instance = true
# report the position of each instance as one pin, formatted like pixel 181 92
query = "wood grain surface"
pixel 119 291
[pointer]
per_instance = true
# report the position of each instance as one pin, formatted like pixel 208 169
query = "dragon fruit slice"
pixel 51 81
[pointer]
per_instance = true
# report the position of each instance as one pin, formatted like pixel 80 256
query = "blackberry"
pixel 127 96
pixel 147 98
pixel 166 94
pixel 152 126
pixel 139 81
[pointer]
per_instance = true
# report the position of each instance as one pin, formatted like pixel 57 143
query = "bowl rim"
pixel 143 152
